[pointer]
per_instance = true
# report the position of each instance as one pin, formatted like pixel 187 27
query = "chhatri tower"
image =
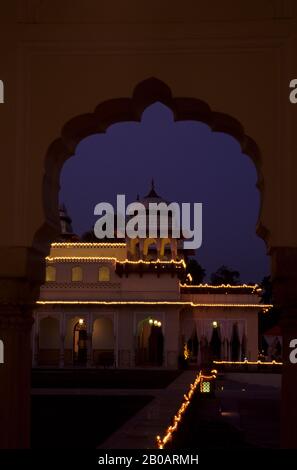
pixel 129 304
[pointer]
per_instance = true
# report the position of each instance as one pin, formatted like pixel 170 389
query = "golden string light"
pixel 57 259
pixel 162 441
pixel 113 259
pixel 254 287
pixel 158 261
pixel 268 363
pixel 149 302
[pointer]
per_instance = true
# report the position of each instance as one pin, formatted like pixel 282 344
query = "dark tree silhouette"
pixel 225 275
pixel 266 286
pixel 196 271
pixel 268 320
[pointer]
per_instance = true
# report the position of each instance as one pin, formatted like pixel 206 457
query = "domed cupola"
pixel 152 197
pixel 158 247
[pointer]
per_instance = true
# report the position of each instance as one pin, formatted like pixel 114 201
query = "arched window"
pixel 164 242
pixel 76 274
pixel 50 274
pixel 104 274
pixel 147 243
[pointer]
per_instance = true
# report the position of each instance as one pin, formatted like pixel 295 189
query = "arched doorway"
pixel 80 343
pixel 150 343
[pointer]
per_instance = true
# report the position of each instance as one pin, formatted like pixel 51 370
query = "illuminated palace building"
pixel 130 305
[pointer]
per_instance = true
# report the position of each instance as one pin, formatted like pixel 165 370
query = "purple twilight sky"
pixel 189 163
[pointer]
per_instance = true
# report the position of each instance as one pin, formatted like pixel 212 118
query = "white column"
pixel 62 339
pixel 240 327
pixel 229 329
pixel 116 336
pixel 165 355
pixel 158 246
pixel 141 245
pixel 246 338
pixel 173 245
pixel 134 338
pixel 89 340
pixel 224 341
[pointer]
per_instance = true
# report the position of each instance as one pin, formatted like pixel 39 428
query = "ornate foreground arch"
pixel 117 110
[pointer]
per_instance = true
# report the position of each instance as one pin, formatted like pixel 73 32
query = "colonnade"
pixel 204 328
pixel 63 318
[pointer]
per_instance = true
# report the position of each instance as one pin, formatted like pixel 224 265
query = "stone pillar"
pixel 158 246
pixel 141 247
pixel 173 245
pixel 284 279
pixel 62 351
pixel 35 341
pixel 229 329
pixel 133 352
pixel 89 341
pixel 240 330
pixel 89 350
pixel 116 338
pixel 15 376
pixel 62 340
